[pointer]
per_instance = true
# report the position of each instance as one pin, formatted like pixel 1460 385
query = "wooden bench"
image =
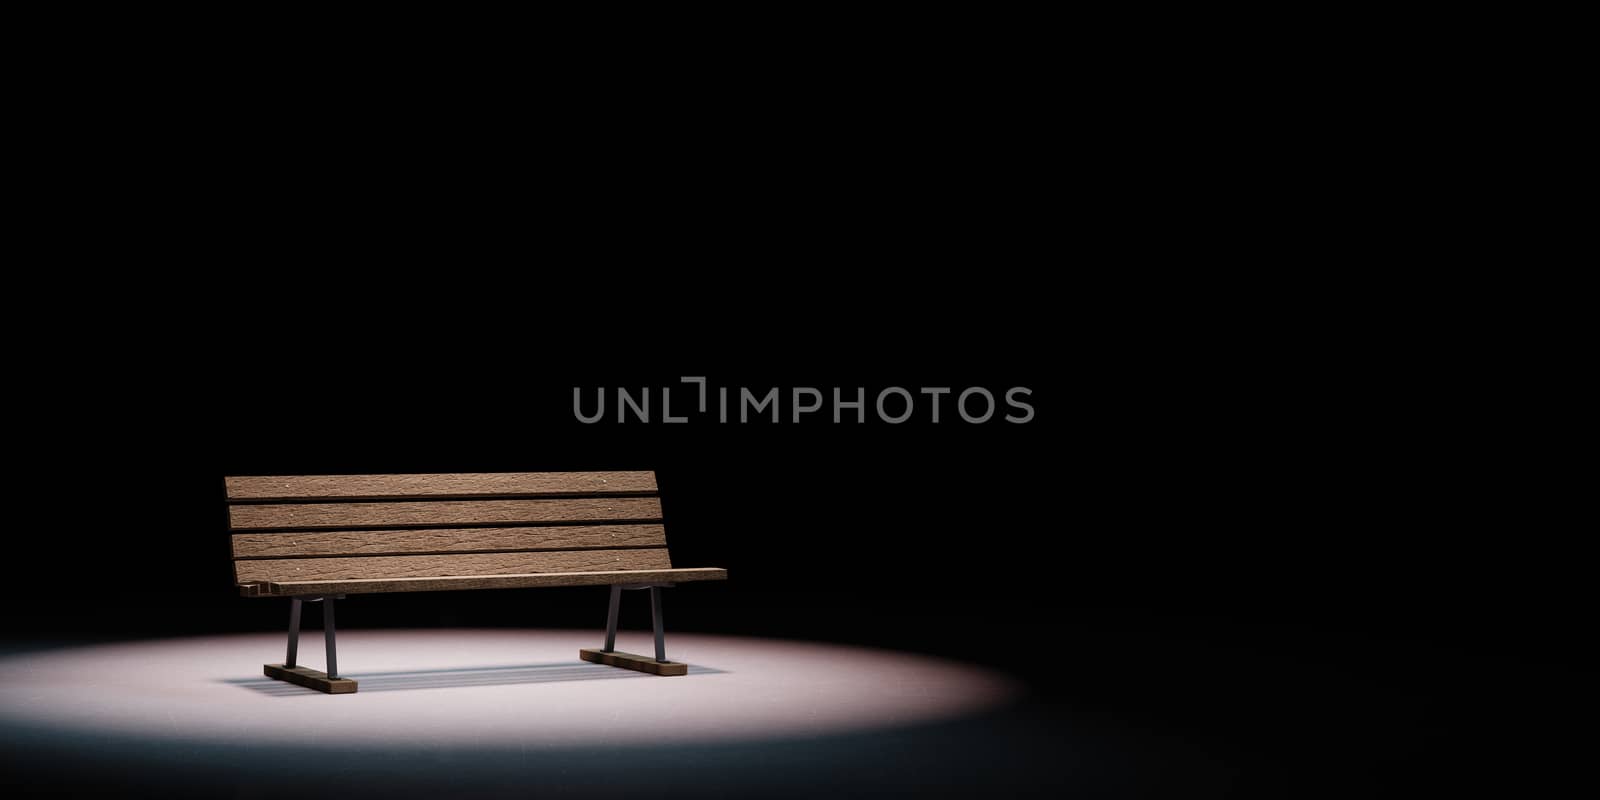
pixel 315 538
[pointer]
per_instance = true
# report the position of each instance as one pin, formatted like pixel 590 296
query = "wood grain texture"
pixel 445 540
pixel 442 513
pixel 462 484
pixel 617 658
pixel 283 588
pixel 309 678
pixel 355 567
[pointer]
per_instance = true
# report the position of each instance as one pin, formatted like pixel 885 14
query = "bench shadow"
pixel 452 678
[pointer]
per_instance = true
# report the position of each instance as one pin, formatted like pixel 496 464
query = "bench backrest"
pixel 342 527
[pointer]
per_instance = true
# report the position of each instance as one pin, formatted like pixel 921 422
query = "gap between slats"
pixel 442 513
pixel 364 554
pixel 282 544
pixel 415 498
pixel 430 526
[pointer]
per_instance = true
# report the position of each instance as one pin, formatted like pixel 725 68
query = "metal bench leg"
pixel 609 655
pixel 329 681
pixel 294 632
pixel 327 632
pixel 655 618
pixel 611 618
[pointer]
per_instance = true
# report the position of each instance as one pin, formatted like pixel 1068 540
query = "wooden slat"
pixel 616 658
pixel 443 513
pixel 599 578
pixel 445 540
pixel 355 567
pixel 309 678
pixel 463 484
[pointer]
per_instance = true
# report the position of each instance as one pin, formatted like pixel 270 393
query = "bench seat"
pixel 447 583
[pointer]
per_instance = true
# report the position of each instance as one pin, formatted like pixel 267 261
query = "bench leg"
pixel 294 632
pixel 327 635
pixel 329 681
pixel 611 618
pixel 655 622
pixel 609 655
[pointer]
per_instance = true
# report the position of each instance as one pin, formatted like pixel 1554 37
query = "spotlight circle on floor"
pixel 487 688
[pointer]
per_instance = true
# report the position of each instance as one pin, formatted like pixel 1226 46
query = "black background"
pixel 1253 543
pixel 1305 466
pixel 1301 511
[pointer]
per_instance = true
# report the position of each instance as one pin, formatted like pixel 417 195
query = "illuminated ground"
pixel 514 713
pixel 485 688
pixel 463 713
